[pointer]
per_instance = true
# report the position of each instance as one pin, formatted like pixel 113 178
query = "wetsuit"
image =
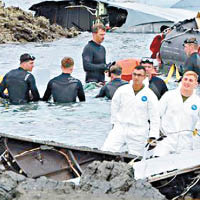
pixel 193 64
pixel 19 82
pixel 94 62
pixel 64 89
pixel 109 89
pixel 158 86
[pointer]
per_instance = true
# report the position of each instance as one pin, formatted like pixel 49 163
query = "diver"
pixel 193 61
pixel 64 88
pixel 20 82
pixel 109 89
pixel 157 85
pixel 94 56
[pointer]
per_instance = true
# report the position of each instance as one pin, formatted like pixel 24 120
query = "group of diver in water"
pixel 142 110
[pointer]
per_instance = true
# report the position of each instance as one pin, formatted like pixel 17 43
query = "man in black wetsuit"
pixel 94 56
pixel 20 83
pixel 193 61
pixel 156 84
pixel 109 89
pixel 64 88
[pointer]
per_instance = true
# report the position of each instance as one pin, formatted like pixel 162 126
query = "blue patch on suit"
pixel 194 107
pixel 144 98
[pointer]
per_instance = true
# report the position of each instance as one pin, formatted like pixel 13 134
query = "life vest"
pixel 128 66
pixel 1 79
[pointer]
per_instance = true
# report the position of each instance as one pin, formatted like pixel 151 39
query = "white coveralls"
pixel 129 115
pixel 178 121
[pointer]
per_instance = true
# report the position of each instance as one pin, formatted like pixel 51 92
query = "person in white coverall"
pixel 133 105
pixel 179 111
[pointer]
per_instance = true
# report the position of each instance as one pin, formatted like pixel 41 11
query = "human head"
pixel 190 46
pixel 148 65
pixel 115 71
pixel 67 65
pixel 139 74
pixel 98 33
pixel 189 81
pixel 27 62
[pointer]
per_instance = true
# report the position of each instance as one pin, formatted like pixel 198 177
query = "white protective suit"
pixel 178 121
pixel 129 115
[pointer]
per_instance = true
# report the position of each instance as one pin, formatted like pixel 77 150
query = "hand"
pixel 109 65
pixel 151 143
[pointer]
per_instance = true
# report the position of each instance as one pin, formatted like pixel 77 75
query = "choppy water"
pixel 81 124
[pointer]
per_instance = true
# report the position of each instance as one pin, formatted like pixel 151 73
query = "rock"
pixel 116 178
pixel 19 26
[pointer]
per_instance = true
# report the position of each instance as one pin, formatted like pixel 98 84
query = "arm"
pixel 81 94
pixel 115 106
pixel 3 86
pixel 88 63
pixel 33 88
pixel 102 92
pixel 154 117
pixel 47 93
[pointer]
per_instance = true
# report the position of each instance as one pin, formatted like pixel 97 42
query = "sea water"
pixel 79 124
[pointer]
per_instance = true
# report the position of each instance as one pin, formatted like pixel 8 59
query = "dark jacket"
pixel 64 89
pixel 19 83
pixel 109 89
pixel 94 62
pixel 193 64
pixel 158 86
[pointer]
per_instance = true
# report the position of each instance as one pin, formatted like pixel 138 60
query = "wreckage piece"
pixel 172 49
pixel 174 175
pixel 58 161
pixel 122 16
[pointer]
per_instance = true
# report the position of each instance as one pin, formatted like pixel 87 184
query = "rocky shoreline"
pixel 101 180
pixel 17 25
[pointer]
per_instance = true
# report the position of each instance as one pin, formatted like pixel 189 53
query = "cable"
pixel 82 6
pixel 166 183
pixel 193 183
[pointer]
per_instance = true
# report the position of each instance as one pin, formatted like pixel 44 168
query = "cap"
pixel 190 41
pixel 67 62
pixel 26 57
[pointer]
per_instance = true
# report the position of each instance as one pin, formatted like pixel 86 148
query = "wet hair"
pixel 140 67
pixel 67 62
pixel 191 73
pixel 163 27
pixel 97 27
pixel 116 69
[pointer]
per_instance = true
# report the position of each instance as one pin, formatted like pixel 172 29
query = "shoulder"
pixel 75 80
pixel 125 88
pixel 157 80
